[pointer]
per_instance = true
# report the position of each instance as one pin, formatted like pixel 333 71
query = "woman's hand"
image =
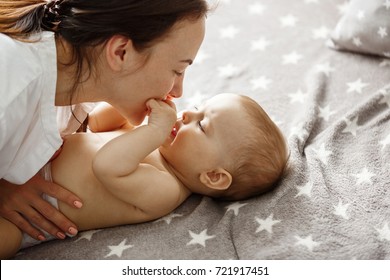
pixel 21 202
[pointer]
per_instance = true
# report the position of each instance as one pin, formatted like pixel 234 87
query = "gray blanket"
pixel 334 109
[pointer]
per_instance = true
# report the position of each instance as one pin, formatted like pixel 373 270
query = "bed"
pixel 321 69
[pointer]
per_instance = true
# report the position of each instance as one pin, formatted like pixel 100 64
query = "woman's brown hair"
pixel 88 23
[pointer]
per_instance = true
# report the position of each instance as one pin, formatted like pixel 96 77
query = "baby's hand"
pixel 162 114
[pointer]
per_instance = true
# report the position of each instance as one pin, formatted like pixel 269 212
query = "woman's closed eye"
pixel 178 73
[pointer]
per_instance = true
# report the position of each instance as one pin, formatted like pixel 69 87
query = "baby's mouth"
pixel 174 132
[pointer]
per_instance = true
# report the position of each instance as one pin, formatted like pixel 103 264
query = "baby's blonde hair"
pixel 261 157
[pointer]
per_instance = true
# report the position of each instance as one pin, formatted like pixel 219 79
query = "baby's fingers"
pixel 170 103
pixel 151 103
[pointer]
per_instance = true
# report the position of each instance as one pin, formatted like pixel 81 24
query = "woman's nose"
pixel 177 89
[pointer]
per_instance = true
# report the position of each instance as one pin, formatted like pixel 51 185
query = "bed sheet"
pixel 333 108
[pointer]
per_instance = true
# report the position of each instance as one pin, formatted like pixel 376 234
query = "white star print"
pixel 266 224
pixel 260 45
pixel 325 68
pixel 261 82
pixel 168 218
pixel 387 4
pixel 87 235
pixel 118 249
pixel 321 33
pixel 199 238
pixel 229 32
pixel 382 32
pixel 341 209
pixel 235 207
pixel 325 112
pixel 357 86
pixel 385 142
pixel 307 242
pixel 288 21
pixel 361 15
pixel 256 9
pixel 351 127
pixel 227 71
pixel 323 154
pixel 305 189
pixel 364 176
pixel 292 58
pixel 384 232
pixel 357 42
pixel 298 96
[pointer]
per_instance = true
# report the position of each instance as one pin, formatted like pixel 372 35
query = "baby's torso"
pixel 72 169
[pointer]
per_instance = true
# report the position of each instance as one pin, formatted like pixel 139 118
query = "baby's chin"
pixel 165 146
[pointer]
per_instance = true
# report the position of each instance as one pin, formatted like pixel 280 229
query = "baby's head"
pixel 228 148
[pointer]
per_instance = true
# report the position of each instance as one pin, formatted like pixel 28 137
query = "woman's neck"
pixel 66 91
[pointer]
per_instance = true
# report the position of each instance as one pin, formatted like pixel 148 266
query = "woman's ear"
pixel 218 179
pixel 118 50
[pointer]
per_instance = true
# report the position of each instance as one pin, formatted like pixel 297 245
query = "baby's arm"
pixel 105 118
pixel 116 162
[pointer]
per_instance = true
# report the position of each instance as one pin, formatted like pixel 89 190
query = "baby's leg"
pixel 10 239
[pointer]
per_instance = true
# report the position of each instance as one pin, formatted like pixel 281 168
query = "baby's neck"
pixel 181 179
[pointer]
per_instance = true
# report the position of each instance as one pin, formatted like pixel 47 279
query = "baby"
pixel 228 148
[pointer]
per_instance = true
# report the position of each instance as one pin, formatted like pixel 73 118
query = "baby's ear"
pixel 218 179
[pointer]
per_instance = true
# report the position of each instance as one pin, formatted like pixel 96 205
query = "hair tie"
pixel 51 16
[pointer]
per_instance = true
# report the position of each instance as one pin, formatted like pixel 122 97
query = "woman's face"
pixel 161 75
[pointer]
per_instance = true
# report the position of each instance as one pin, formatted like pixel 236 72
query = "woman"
pixel 58 55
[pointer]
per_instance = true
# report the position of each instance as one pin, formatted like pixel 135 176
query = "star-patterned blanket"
pixel 334 109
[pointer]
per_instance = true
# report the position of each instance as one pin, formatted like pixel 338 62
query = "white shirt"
pixel 29 131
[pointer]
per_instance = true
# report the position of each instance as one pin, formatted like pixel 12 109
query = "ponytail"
pixel 20 18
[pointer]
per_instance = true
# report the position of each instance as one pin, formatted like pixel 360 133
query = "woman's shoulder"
pixel 15 51
pixel 25 65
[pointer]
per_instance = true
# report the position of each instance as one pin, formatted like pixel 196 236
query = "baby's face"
pixel 203 138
